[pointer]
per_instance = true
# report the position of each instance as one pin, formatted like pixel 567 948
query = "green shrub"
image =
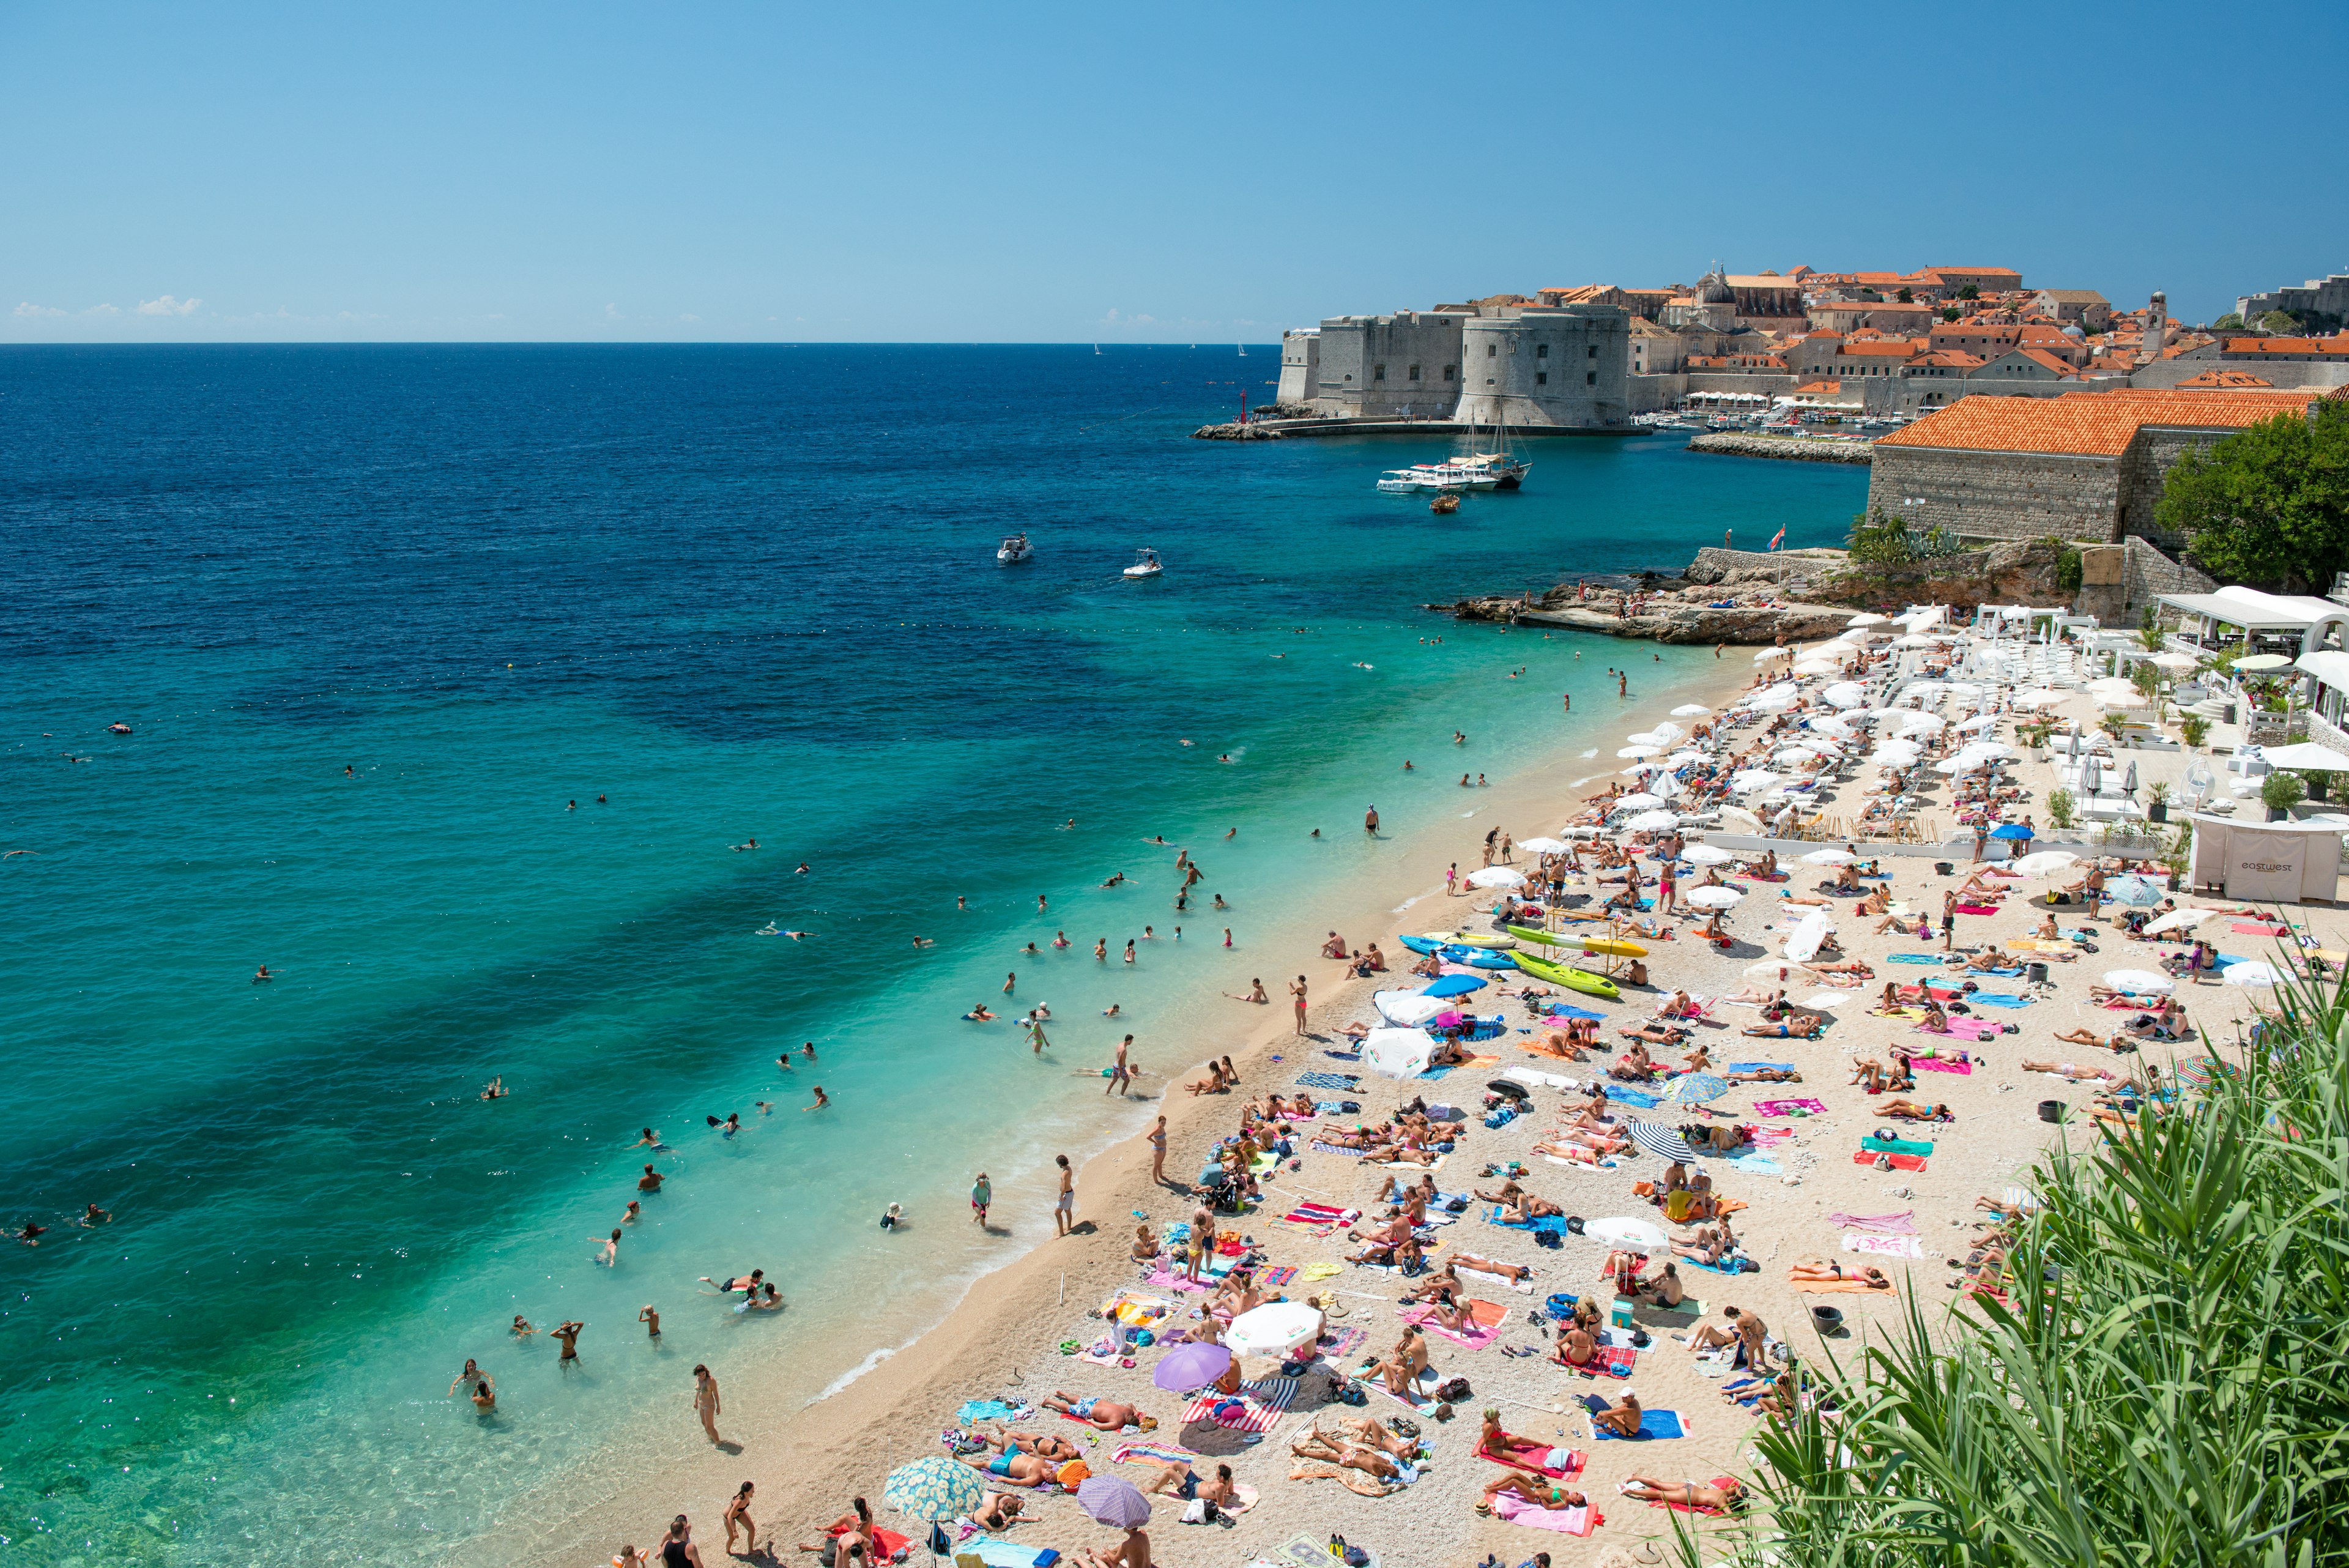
pixel 2061 808
pixel 2194 729
pixel 2067 571
pixel 2281 790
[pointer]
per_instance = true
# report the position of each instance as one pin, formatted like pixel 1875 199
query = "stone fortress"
pixel 1531 365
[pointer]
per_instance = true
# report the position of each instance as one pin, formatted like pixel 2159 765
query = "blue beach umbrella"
pixel 1454 985
pixel 1693 1088
pixel 2136 892
pixel 2010 830
pixel 933 1487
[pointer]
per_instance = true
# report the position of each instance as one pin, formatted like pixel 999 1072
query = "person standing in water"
pixel 1120 1076
pixel 705 1400
pixel 1370 821
pixel 1296 990
pixel 650 1318
pixel 982 1193
pixel 568 1333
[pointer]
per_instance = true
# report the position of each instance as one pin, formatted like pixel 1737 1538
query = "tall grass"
pixel 2170 1382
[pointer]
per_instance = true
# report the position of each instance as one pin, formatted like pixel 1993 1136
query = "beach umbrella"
pixel 1917 640
pixel 2261 663
pixel 1189 1367
pixel 2177 921
pixel 2037 697
pixel 1815 667
pixel 1752 779
pixel 933 1487
pixel 1112 1500
pixel 1830 857
pixel 2201 1072
pixel 1658 1138
pixel 1453 985
pixel 1638 800
pixel 1645 738
pixel 2175 663
pixel 1844 694
pixel 1545 845
pixel 1828 997
pixel 1867 618
pixel 1509 1088
pixel 2140 981
pixel 1709 898
pixel 2136 892
pixel 2010 830
pixel 1979 721
pixel 1690 710
pixel 1496 877
pixel 1897 753
pixel 1829 724
pixel 1707 855
pixel 1736 818
pixel 2250 971
pixel 1638 751
pixel 1693 1090
pixel 1398 1053
pixel 1797 755
pixel 2044 862
pixel 1921 725
pixel 1273 1330
pixel 1649 821
pixel 1767 654
pixel 1683 758
pixel 1666 734
pixel 1406 1009
pixel 1627 1235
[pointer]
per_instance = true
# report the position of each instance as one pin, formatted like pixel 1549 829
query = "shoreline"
pixel 889 1405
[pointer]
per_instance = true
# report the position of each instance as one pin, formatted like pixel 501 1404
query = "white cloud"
pixel 102 310
pixel 611 312
pixel 27 307
pixel 167 306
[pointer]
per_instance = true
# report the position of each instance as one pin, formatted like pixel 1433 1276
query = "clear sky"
pixel 934 172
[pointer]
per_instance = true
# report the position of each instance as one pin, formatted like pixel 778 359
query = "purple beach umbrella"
pixel 1190 1367
pixel 1113 1501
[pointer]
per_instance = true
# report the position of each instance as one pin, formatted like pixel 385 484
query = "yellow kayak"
pixel 1471 939
pixel 1614 947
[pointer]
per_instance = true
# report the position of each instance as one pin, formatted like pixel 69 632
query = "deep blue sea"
pixel 377 617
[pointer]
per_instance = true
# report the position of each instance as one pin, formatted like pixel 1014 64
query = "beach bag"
pixel 1454 1391
pixel 939 1545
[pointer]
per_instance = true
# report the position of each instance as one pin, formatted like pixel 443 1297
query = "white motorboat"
pixel 1507 468
pixel 1455 476
pixel 1145 565
pixel 1014 549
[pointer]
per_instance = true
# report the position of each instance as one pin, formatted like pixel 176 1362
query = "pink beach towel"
pixel 1901 1224
pixel 1885 1246
pixel 1509 1506
pixel 1522 1459
pixel 1789 1107
pixel 1935 1064
pixel 1488 1317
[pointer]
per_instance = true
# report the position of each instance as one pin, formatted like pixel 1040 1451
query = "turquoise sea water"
pixel 740 592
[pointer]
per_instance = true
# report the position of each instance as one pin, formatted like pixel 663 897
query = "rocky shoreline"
pixel 1787 449
pixel 1755 596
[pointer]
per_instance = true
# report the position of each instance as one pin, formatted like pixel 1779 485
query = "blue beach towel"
pixel 1547 1225
pixel 1759 1068
pixel 1913 957
pixel 1755 1165
pixel 1732 1264
pixel 1639 1098
pixel 1653 1424
pixel 1346 1081
pixel 983 1411
pixel 1996 998
pixel 1560 1010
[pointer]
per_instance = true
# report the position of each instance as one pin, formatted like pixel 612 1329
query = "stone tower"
pixel 2157 325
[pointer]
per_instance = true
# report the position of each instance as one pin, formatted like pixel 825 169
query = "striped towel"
pixel 1614 1361
pixel 1346 1082
pixel 1901 1224
pixel 1164 1453
pixel 1348 1152
pixel 1262 1402
pixel 1278 1277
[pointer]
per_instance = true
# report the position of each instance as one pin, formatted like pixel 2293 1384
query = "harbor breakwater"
pixel 1790 448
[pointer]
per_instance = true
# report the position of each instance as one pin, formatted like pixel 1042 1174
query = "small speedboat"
pixel 1145 565
pixel 1014 549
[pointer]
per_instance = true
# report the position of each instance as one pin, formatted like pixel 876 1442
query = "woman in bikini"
pixel 1910 1111
pixel 1816 1269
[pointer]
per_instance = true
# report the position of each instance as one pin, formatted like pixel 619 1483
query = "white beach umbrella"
pixel 1895 754
pixel 1708 898
pixel 1651 821
pixel 1752 779
pixel 1690 710
pixel 1865 618
pixel 1707 855
pixel 2251 973
pixel 1979 721
pixel 1796 754
pixel 2178 920
pixel 1496 877
pixel 2044 862
pixel 1830 725
pixel 1544 845
pixel 1645 738
pixel 1844 694
pixel 1961 689
pixel 1809 935
pixel 1913 641
pixel 1638 800
pixel 2037 697
pixel 1767 654
pixel 1627 1235
pixel 1737 819
pixel 2140 981
pixel 1409 1009
pixel 1682 759
pixel 2175 663
pixel 1921 725
pixel 1666 785
pixel 1398 1053
pixel 1784 691
pixel 1638 751
pixel 1274 1329
pixel 1665 734
pixel 1815 667
pixel 1830 857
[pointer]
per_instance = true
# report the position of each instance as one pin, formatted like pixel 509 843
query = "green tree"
pixel 1970 292
pixel 2283 790
pixel 2268 505
pixel 1951 313
pixel 1905 298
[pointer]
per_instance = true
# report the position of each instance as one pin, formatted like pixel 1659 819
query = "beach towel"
pixel 1735 1263
pixel 1913 957
pixel 1342 1081
pixel 1488 1316
pixel 1976 1029
pixel 1583 1156
pixel 989 1410
pixel 1885 1246
pixel 1322 1214
pixel 1662 1316
pixel 1998 998
pixel 2255 929
pixel 1558 1464
pixel 1160 1279
pixel 1897 1145
pixel 1614 1361
pixel 1977 908
pixel 1164 1453
pixel 1724 1481
pixel 1755 1165
pixel 1901 1224
pixel 1548 1224
pixel 1632 1096
pixel 1522 1287
pixel 1007 1554
pixel 1406 1165
pixel 1840 1288
pixel 1935 1064
pixel 1263 1403
pixel 1335 1148
pixel 1512 1508
pixel 1766 1138
pixel 1757 1067
pixel 1276 1278
pixel 1653 1424
pixel 1789 1107
pixel 1339 1341
pixel 1899 1161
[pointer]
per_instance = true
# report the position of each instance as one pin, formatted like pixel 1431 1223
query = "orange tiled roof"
pixel 1900 347
pixel 1957 357
pixel 1820 387
pixel 2225 379
pixel 2289 346
pixel 2041 356
pixel 2087 424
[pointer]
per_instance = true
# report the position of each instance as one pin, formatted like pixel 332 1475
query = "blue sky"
pixel 1063 173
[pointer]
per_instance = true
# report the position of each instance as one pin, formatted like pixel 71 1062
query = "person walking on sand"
pixel 705 1400
pixel 737 1513
pixel 1064 1210
pixel 1120 1076
pixel 1158 1152
pixel 982 1193
pixel 1296 990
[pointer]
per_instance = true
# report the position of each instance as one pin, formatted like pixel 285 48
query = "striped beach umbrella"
pixel 1110 1501
pixel 1693 1090
pixel 2201 1072
pixel 933 1487
pixel 1658 1138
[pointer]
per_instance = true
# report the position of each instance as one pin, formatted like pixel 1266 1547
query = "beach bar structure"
pixel 2293 624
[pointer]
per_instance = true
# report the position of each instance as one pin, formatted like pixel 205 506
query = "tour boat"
pixel 1446 502
pixel 1455 476
pixel 1015 548
pixel 1507 468
pixel 1145 565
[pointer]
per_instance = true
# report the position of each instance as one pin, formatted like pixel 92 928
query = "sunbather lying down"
pixel 1539 1490
pixel 1804 1027
pixel 1765 1075
pixel 1359 1445
pixel 1910 1111
pixel 1104 1415
pixel 1351 1479
pixel 1728 1497
pixel 1817 1269
pixel 2072 1070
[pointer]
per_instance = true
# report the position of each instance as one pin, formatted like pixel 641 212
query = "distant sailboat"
pixel 1096 348
pixel 1243 348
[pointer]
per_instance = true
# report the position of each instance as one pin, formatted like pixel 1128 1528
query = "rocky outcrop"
pixel 1236 432
pixel 1798 449
pixel 1678 616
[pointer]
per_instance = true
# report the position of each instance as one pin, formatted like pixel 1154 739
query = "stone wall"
pixel 1997 496
pixel 1798 449
pixel 1569 367
pixel 2283 373
pixel 1403 365
pixel 1300 364
pixel 1714 564
pixel 2118 581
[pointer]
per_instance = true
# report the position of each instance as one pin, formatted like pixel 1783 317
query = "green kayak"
pixel 1567 975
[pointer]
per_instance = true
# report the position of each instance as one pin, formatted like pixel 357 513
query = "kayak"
pixel 1471 939
pixel 1614 947
pixel 1421 944
pixel 1477 959
pixel 1569 976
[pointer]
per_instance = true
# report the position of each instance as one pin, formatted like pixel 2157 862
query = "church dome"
pixel 1715 290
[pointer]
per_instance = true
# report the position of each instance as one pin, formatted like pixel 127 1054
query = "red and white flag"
pixel 1779 537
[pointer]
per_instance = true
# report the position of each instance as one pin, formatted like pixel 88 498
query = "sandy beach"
pixel 1006 1336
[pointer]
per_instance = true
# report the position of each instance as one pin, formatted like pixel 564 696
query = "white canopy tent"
pixel 2271 862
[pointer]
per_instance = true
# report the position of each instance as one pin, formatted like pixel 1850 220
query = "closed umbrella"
pixel 933 1487
pixel 1628 1235
pixel 1398 1053
pixel 2128 779
pixel 2140 981
pixel 1713 897
pixel 1496 877
pixel 1273 1330
pixel 1189 1367
pixel 1110 1500
pixel 1453 985
pixel 1658 1138
pixel 1693 1090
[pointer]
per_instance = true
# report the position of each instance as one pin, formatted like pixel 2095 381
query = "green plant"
pixel 2267 504
pixel 1880 538
pixel 1969 292
pixel 2160 1382
pixel 2068 570
pixel 2158 791
pixel 2033 732
pixel 1951 313
pixel 2148 629
pixel 2145 678
pixel 2113 724
pixel 2281 790
pixel 2194 729
pixel 2061 808
pixel 2181 845
pixel 1905 298
pixel 2279 321
pixel 2227 322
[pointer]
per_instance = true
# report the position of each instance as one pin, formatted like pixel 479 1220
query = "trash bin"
pixel 2051 1110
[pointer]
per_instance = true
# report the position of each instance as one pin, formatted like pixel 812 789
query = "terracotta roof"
pixel 1977 271
pixel 2289 346
pixel 1761 280
pixel 2041 356
pixel 1876 277
pixel 2225 379
pixel 2087 424
pixel 2071 296
pixel 1958 358
pixel 1820 387
pixel 1900 348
